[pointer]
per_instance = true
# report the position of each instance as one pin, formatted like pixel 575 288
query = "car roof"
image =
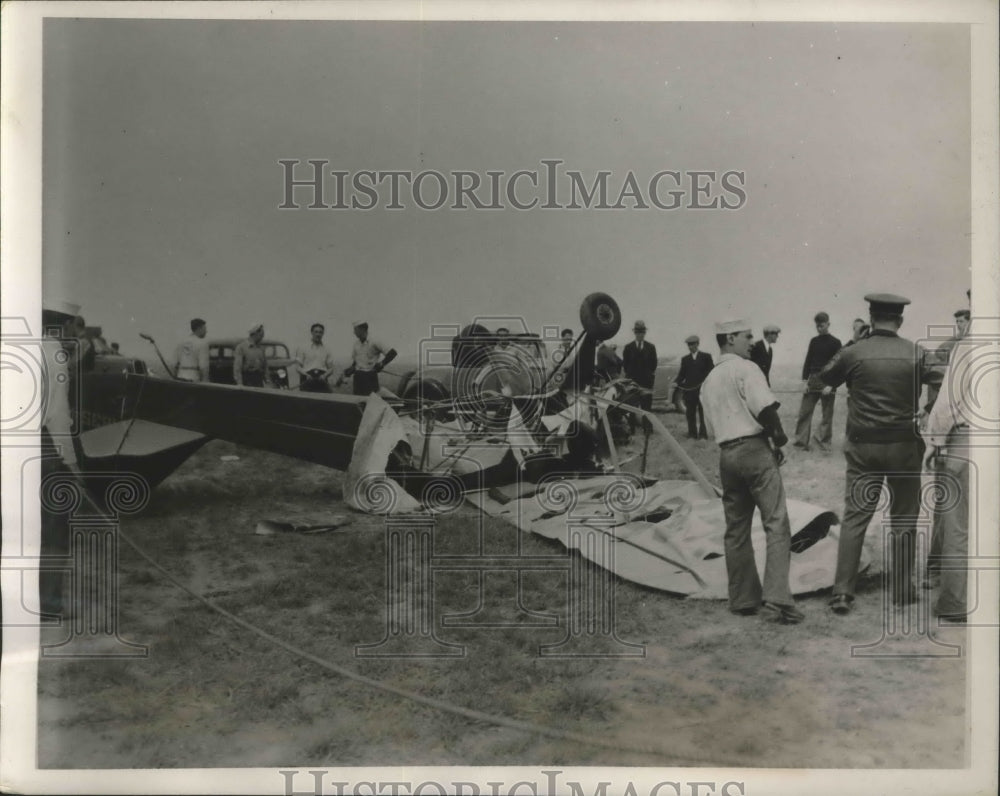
pixel 235 340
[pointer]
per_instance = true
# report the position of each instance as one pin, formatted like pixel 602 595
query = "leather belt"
pixel 729 443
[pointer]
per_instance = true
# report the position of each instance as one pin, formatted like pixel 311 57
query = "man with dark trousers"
pixel 695 366
pixel 762 352
pixel 884 374
pixel 822 348
pixel 639 361
pixel 368 357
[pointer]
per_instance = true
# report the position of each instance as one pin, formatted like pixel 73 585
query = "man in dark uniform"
pixel 639 361
pixel 884 373
pixel 695 366
pixel 762 352
pixel 822 348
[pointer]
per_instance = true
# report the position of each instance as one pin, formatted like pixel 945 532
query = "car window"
pixel 276 351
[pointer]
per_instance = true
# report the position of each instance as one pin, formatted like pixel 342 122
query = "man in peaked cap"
pixel 884 373
pixel 762 353
pixel 742 414
pixel 822 348
pixel 695 366
pixel 639 362
pixel 250 359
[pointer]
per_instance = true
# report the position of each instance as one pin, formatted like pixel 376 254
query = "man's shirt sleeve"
pixel 835 372
pixel 754 389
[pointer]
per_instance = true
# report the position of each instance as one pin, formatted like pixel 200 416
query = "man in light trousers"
pixel 742 415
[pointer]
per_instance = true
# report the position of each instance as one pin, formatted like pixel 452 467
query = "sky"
pixel 162 182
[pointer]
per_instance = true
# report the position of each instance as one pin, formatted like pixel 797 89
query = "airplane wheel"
pixel 600 316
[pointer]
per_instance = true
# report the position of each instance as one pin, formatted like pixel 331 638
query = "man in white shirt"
pixel 192 353
pixel 314 362
pixel 742 415
pixel 947 432
pixel 368 357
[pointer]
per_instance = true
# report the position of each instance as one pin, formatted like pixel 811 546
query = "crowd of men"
pixel 731 398
pixel 313 361
pixel 884 447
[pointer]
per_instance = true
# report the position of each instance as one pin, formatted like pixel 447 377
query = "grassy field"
pixel 711 687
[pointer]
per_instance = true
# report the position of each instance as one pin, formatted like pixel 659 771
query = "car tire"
pixel 600 317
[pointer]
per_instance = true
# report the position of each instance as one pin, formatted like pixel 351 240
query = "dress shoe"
pixel 750 610
pixel 798 444
pixel 952 619
pixel 783 614
pixel 841 604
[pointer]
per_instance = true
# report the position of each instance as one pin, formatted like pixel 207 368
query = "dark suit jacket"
pixel 694 369
pixel 762 357
pixel 640 366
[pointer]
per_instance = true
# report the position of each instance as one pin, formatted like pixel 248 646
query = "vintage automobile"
pixel 220 361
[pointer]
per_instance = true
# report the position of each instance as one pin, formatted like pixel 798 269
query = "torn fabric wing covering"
pixel 665 534
pixel 366 486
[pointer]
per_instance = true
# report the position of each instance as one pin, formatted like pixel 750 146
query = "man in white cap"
pixel 368 357
pixel 192 353
pixel 250 359
pixel 884 373
pixel 742 414
pixel 639 362
pixel 762 353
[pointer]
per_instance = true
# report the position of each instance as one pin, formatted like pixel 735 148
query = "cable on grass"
pixel 687 759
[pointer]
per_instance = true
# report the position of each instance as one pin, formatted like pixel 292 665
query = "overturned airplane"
pixel 525 441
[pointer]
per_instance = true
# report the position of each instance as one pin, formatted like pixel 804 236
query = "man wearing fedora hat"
pixel 884 373
pixel 639 362
pixel 742 414
pixel 695 366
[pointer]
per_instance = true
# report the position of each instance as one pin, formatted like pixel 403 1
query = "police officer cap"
pixel 732 327
pixel 692 338
pixel 257 328
pixel 886 302
pixel 772 329
pixel 196 323
pixel 640 326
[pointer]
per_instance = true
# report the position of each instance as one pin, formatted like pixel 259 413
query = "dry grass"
pixel 731 689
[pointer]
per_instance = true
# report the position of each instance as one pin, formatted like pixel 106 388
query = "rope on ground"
pixel 687 759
